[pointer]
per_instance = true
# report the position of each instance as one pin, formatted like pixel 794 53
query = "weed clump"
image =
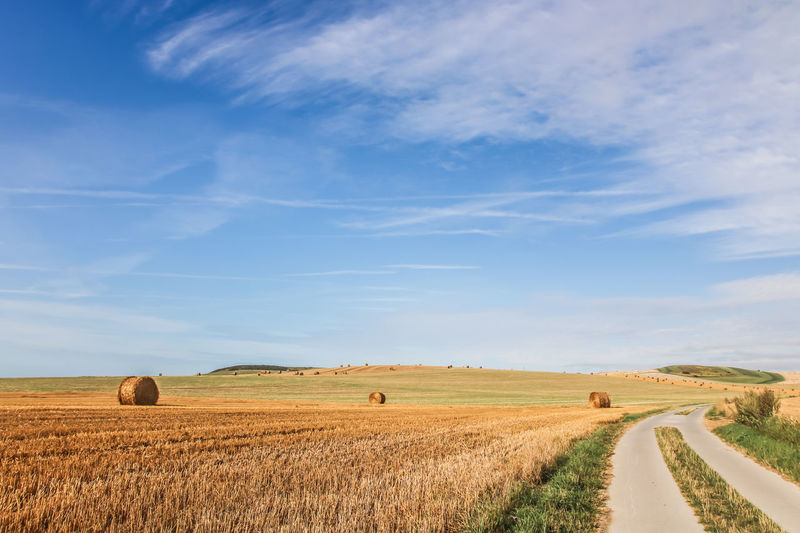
pixel 754 409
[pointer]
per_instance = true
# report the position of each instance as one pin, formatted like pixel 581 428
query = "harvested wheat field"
pixel 279 467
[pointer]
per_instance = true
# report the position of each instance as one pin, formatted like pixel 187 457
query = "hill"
pixel 727 374
pixel 254 369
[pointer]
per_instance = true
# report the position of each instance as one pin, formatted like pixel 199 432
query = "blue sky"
pixel 531 185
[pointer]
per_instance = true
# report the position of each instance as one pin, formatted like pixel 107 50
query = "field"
pixel 456 386
pixel 727 374
pixel 288 453
pixel 245 465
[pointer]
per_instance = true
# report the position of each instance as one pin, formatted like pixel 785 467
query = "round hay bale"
pixel 377 397
pixel 138 391
pixel 600 400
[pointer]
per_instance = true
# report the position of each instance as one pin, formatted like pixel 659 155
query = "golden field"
pixel 71 461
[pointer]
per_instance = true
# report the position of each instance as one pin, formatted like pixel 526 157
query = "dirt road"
pixel 643 496
pixel 778 498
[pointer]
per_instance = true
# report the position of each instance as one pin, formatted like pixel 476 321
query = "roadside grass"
pixel 719 507
pixel 766 447
pixel 687 411
pixel 570 496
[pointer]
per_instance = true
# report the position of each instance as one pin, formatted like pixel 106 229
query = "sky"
pixel 537 185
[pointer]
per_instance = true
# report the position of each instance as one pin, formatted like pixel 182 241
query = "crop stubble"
pixel 284 468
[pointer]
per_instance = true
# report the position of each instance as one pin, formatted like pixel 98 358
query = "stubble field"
pixel 223 466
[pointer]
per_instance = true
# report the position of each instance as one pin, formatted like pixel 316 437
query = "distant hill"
pixel 728 374
pixel 246 369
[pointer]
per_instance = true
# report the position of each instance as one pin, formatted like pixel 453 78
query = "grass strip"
pixel 686 411
pixel 782 455
pixel 720 507
pixel 570 496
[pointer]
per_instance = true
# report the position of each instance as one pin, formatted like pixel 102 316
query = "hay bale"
pixel 138 391
pixel 198 373
pixel 377 397
pixel 600 400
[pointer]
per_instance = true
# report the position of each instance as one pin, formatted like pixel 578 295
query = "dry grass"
pixel 790 407
pixel 250 466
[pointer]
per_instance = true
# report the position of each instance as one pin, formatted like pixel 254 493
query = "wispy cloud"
pixel 701 96
pixel 342 273
pixel 434 267
pixel 122 266
pixel 25 267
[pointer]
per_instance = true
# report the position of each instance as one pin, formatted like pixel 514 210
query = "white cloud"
pixel 702 95
pixel 772 288
pixel 748 323
pixel 116 341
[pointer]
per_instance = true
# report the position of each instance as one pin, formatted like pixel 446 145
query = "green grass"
pixel 727 374
pixel 568 498
pixel 448 386
pixel 719 507
pixel 772 446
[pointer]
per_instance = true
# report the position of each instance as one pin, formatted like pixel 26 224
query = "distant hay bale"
pixel 316 372
pixel 235 373
pixel 301 373
pixel 600 400
pixel 198 373
pixel 138 391
pixel 159 374
pixel 377 397
pixel 449 366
